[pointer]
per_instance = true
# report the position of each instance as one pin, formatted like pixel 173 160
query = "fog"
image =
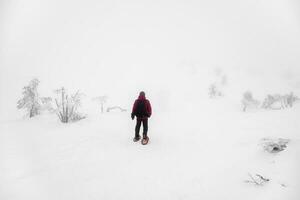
pixel 118 48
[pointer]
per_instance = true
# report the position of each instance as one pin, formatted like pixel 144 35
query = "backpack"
pixel 141 110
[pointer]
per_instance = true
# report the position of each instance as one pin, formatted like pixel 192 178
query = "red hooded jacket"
pixel 146 109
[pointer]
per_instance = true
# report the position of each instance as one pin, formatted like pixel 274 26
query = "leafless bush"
pixel 249 101
pixel 277 101
pixel 67 106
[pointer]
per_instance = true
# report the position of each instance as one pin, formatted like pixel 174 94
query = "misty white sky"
pixel 106 45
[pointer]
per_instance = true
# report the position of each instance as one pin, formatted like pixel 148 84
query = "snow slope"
pixel 192 154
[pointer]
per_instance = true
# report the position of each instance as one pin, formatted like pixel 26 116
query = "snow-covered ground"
pixel 200 147
pixel 191 155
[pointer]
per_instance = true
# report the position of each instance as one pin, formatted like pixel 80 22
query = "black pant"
pixel 138 126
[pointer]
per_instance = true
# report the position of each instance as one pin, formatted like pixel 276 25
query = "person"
pixel 142 111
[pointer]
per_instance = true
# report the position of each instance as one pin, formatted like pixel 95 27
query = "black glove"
pixel 132 116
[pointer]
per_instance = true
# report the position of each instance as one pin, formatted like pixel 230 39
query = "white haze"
pixel 117 48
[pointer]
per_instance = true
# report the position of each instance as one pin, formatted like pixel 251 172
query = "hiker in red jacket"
pixel 142 110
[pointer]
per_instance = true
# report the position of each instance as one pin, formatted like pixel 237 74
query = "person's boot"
pixel 136 138
pixel 145 140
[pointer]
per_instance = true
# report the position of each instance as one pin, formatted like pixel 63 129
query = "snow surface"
pixel 200 148
pixel 190 156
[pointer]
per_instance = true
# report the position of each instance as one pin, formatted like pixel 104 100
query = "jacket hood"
pixel 141 97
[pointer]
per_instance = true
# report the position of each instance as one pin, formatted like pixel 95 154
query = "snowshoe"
pixel 145 140
pixel 136 139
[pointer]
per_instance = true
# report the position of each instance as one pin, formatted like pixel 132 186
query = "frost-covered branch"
pixel 257 179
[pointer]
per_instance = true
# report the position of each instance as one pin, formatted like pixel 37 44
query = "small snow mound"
pixel 274 145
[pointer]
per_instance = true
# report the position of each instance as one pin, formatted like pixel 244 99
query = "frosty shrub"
pixel 216 89
pixel 278 101
pixel 249 101
pixel 115 108
pixel 67 106
pixel 31 100
pixel 213 91
pixel 102 100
